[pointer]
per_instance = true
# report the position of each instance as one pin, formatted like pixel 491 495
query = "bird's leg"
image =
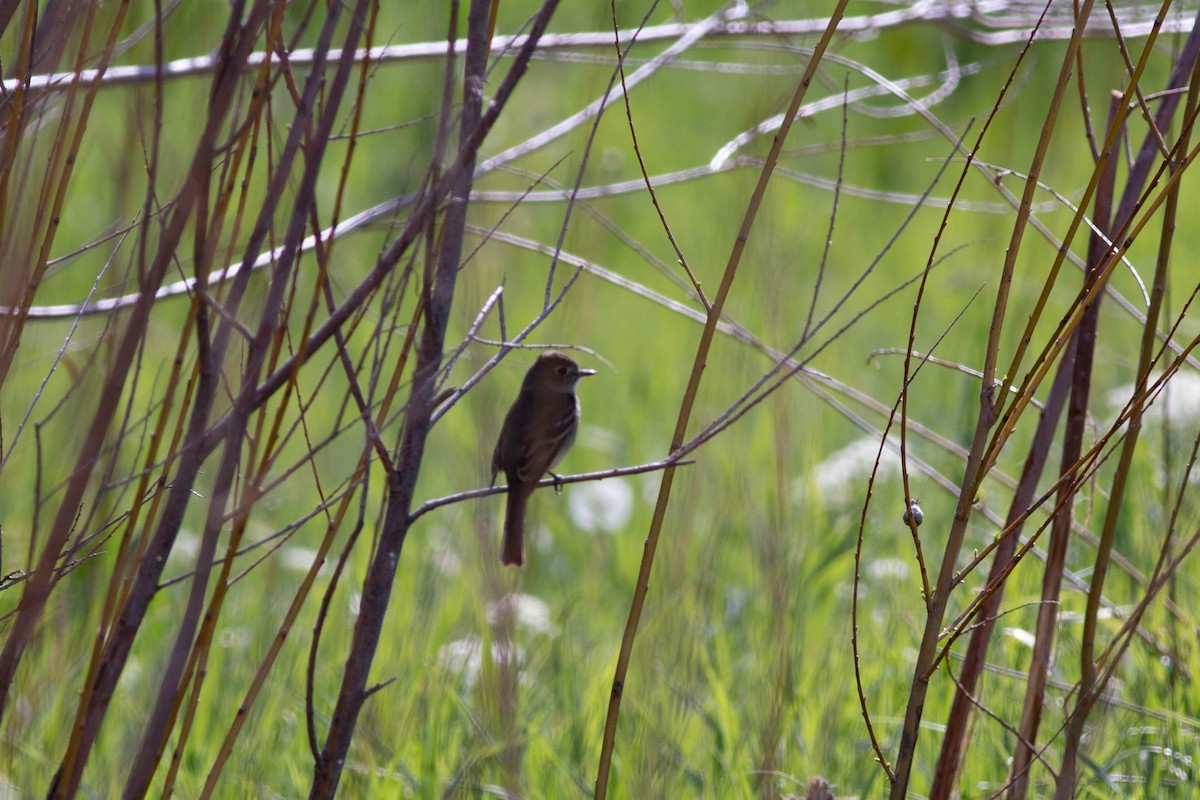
pixel 557 482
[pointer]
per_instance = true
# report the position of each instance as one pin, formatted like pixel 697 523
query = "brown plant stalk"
pixel 712 318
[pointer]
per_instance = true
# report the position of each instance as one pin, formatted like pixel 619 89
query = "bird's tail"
pixel 512 546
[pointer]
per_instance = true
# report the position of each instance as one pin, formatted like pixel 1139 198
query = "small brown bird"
pixel 538 431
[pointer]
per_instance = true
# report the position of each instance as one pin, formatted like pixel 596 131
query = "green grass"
pixel 743 660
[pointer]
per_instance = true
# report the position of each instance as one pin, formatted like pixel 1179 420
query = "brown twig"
pixel 438 293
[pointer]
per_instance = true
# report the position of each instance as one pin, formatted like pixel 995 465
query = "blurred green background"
pixel 742 678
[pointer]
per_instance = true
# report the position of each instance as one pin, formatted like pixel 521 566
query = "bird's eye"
pixel 563 371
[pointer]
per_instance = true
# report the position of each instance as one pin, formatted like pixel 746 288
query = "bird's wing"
pixel 543 448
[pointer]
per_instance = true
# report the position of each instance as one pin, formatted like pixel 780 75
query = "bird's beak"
pixel 583 373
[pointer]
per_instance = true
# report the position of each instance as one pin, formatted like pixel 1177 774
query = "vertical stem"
pixel 685 410
pixel 974 470
pixel 236 46
pixel 954 740
pixel 162 717
pixel 1089 686
pixel 1060 532
pixel 381 574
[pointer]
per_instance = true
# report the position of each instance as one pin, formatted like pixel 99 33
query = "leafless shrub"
pixel 280 359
